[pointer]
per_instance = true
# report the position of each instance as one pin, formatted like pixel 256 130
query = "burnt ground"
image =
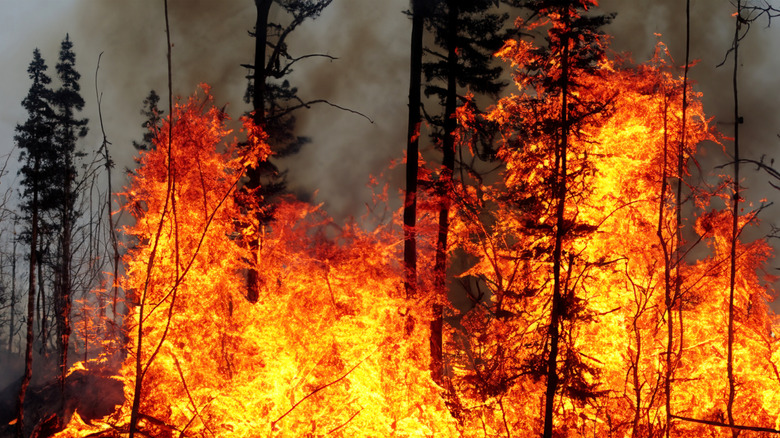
pixel 94 393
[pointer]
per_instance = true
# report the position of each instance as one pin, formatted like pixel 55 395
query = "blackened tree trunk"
pixel 445 187
pixel 258 117
pixel 28 353
pixel 560 232
pixel 272 106
pixel 13 295
pixel 734 226
pixel 261 40
pixel 412 150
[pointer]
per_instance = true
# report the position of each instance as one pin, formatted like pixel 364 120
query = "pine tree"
pixel 33 139
pixel 68 101
pixel 273 103
pixel 152 123
pixel 466 35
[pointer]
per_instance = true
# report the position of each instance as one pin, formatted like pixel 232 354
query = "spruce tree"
pixel 152 123
pixel 551 73
pixel 67 101
pixel 34 138
pixel 466 35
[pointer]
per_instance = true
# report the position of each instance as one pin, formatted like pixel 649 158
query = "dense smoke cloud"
pixel 209 45
pixel 370 40
pixel 712 34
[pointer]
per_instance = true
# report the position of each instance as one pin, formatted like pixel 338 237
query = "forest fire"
pixel 597 307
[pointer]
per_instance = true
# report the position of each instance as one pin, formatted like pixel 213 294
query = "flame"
pixel 323 351
pixel 328 349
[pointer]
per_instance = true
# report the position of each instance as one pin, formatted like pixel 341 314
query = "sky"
pixel 370 38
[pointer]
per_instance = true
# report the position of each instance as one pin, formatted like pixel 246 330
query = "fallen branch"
pixel 736 426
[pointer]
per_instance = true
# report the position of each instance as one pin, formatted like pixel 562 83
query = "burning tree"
pixel 322 350
pixel 594 323
pixel 572 248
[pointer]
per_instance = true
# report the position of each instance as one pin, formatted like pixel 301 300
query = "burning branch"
pixel 719 424
pixel 189 395
pixel 273 423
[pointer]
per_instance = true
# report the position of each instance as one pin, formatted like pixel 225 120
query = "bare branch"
pixel 327 385
pixel 344 423
pixel 312 102
pixel 286 68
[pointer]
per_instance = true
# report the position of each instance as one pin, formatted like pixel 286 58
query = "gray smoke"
pixel 209 44
pixel 712 34
pixel 370 40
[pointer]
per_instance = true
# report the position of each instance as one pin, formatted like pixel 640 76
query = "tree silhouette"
pixel 273 103
pixel 34 139
pixel 466 35
pixel 151 125
pixel 67 101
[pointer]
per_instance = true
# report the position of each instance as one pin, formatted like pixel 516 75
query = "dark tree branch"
pixel 719 424
pixel 344 423
pixel 327 385
pixel 286 68
pixel 312 102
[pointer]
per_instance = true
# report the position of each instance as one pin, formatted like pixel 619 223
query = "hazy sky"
pixel 370 38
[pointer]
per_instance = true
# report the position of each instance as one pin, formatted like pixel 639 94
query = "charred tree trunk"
pixel 261 40
pixel 43 317
pixel 734 227
pixel 64 283
pixel 412 150
pixel 28 354
pixel 445 187
pixel 675 297
pixel 13 295
pixel 258 117
pixel 560 232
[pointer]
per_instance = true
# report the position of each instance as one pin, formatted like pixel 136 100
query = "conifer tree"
pixel 67 101
pixel 273 102
pixel 152 123
pixel 466 35
pixel 33 139
pixel 574 47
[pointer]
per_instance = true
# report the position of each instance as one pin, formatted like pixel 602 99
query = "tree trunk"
pixel 64 284
pixel 734 227
pixel 412 150
pixel 560 231
pixel 445 187
pixel 43 318
pixel 258 117
pixel 28 355
pixel 13 295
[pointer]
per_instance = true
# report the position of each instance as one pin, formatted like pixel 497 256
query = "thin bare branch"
pixel 312 102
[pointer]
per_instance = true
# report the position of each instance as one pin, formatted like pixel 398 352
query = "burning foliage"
pixel 329 350
pixel 323 351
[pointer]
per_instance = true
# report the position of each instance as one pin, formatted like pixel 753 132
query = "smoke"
pixel 712 34
pixel 370 40
pixel 211 42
